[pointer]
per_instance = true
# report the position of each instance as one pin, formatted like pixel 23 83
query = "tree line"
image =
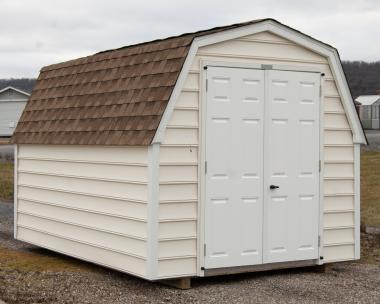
pixel 23 84
pixel 363 78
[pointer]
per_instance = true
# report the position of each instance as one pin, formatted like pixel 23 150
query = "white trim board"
pixel 14 100
pixel 357 199
pixel 15 192
pixel 201 173
pixel 321 170
pixel 282 31
pixel 153 205
pixel 201 168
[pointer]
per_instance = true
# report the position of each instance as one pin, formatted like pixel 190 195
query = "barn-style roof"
pixel 115 97
pixel 118 97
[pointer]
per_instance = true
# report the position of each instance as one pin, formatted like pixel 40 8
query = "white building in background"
pixel 12 103
pixel 369 111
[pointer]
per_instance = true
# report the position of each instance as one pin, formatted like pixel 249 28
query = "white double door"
pixel 262 160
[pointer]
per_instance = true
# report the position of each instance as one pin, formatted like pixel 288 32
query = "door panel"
pixel 234 179
pixel 262 129
pixel 291 162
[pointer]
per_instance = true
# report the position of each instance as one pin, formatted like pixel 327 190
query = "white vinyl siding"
pixel 179 186
pixel 85 201
pixel 179 151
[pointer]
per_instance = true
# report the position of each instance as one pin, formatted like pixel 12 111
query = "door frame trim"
pixel 202 149
pixel 259 267
pixel 320 260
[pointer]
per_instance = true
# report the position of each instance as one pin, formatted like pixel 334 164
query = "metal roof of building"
pixel 368 100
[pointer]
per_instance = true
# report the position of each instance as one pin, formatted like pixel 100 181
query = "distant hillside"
pixel 363 78
pixel 23 84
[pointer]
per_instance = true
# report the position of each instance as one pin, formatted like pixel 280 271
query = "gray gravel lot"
pixel 343 283
pixel 373 137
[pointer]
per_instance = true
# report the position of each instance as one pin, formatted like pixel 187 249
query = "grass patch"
pixel 6 181
pixel 39 262
pixel 370 188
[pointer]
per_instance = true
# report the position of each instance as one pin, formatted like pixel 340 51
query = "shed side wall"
pixel 179 155
pixel 89 202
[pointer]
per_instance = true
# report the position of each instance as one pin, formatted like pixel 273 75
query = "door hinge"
pixel 320 165
pixel 266 66
pixel 204 249
pixel 320 90
pixel 319 241
pixel 205 167
pixel 206 85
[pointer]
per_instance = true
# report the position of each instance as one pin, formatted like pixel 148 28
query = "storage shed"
pixel 369 111
pixel 12 103
pixel 226 150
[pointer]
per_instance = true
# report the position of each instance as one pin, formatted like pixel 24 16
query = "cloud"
pixel 40 32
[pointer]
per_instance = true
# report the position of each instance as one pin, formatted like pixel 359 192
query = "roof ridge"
pixel 196 33
pixel 160 40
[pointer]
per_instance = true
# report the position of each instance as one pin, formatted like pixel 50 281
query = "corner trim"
pixel 15 192
pixel 153 205
pixel 357 199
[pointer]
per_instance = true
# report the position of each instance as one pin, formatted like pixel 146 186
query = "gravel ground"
pixel 373 137
pixel 342 283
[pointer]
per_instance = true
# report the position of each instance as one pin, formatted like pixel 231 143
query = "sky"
pixel 35 33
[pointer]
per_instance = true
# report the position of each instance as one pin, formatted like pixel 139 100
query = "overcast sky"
pixel 35 33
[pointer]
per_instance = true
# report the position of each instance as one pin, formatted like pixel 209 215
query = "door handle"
pixel 272 187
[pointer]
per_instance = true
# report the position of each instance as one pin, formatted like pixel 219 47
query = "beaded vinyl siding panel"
pixel 90 202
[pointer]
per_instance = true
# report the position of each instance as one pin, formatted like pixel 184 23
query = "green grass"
pixel 370 188
pixel 6 181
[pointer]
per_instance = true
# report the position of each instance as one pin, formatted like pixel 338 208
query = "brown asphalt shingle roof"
pixel 115 97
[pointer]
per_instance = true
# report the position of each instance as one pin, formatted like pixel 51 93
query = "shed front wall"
pixel 10 112
pixel 180 154
pixel 89 202
pixel 12 103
